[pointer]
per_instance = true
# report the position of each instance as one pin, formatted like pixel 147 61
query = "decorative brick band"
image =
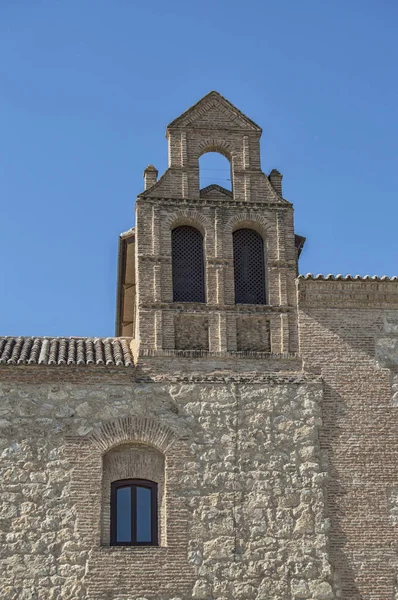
pixel 295 378
pixel 133 429
pixel 218 354
pixel 216 203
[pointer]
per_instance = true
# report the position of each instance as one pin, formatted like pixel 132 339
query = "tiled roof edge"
pixel 339 277
pixel 59 351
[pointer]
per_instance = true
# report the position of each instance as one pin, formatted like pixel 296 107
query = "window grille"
pixel 249 267
pixel 187 265
pixel 134 513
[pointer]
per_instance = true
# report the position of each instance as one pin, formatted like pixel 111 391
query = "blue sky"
pixel 88 87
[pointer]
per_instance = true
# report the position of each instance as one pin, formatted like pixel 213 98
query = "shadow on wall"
pixel 356 505
pixel 354 329
pixel 336 494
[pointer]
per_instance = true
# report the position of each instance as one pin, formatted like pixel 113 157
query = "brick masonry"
pixel 175 199
pixel 349 336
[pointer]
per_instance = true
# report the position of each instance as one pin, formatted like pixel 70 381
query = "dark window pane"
pixel 249 267
pixel 123 512
pixel 144 533
pixel 187 265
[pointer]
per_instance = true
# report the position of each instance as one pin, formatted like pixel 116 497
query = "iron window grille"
pixel 187 265
pixel 134 513
pixel 249 271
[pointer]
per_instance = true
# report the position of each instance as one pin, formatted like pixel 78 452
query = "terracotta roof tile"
pixel 65 351
pixel 348 277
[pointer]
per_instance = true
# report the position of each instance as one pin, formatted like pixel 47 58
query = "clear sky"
pixel 88 87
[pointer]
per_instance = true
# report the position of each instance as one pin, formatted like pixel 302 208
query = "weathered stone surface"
pixel 242 480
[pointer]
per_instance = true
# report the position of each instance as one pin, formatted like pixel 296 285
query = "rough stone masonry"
pixel 269 428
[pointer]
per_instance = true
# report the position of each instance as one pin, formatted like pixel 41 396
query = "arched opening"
pixel 187 264
pixel 133 496
pixel 215 168
pixel 249 267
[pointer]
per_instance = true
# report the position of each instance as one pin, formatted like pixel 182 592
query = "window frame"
pixel 133 484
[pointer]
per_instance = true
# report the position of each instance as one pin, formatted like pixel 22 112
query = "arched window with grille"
pixel 187 264
pixel 249 268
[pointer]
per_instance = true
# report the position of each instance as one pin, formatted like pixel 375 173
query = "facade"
pixel 245 416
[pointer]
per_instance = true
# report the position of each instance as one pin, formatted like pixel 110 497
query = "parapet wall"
pixel 338 291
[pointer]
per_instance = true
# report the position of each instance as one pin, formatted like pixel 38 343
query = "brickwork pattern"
pixel 175 200
pixel 351 346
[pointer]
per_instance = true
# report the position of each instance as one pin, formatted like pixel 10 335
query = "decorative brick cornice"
pixel 196 307
pixel 249 378
pixel 226 354
pixel 213 202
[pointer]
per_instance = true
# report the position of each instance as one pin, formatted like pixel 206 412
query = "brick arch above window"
pixel 249 220
pixel 127 430
pixel 194 218
pixel 134 461
pixel 214 145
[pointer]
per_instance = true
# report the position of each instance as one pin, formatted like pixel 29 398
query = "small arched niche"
pixel 132 462
pixel 215 168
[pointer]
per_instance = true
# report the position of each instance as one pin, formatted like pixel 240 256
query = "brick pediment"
pixel 215 191
pixel 214 111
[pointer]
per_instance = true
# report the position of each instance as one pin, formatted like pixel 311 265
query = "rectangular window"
pixel 134 513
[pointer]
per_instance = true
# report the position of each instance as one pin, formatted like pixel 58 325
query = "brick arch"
pixel 216 145
pixel 248 220
pixel 189 217
pixel 133 429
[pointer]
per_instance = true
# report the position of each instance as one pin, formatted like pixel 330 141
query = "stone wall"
pixel 243 499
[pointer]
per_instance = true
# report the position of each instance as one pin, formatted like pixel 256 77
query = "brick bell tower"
pixel 210 270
